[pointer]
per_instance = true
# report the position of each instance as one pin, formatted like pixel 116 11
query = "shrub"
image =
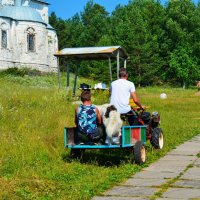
pixel 14 71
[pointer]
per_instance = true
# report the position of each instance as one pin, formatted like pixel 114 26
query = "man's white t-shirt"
pixel 120 94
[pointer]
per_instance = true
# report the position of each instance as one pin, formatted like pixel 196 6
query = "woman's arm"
pixel 99 118
pixel 75 119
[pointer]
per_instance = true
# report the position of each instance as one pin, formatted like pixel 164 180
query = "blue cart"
pixel 132 137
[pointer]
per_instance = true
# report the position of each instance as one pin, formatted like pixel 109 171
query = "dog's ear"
pixel 112 107
pixel 107 112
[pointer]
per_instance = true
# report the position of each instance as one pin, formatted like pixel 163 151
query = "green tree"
pixel 181 22
pixel 95 25
pixel 196 34
pixel 94 19
pixel 182 66
pixel 76 27
pixel 139 28
pixel 53 20
pixel 61 29
pixel 151 33
pixel 182 33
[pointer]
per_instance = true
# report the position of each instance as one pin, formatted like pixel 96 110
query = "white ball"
pixel 163 96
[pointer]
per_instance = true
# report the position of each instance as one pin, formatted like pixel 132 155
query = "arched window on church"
pixel 31 39
pixel 4 40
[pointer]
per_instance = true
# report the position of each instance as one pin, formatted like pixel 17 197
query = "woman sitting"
pixel 88 121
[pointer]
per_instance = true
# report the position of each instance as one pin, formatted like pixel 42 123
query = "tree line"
pixel 162 41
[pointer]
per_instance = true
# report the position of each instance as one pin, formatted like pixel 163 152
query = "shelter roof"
pixel 97 53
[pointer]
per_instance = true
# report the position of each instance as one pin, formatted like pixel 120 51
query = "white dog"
pixel 111 120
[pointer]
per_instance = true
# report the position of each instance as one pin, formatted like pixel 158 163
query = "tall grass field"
pixel 33 161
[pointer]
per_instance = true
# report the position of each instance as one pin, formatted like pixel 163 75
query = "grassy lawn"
pixel 33 161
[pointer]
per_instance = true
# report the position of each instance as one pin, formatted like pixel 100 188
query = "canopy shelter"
pixel 93 53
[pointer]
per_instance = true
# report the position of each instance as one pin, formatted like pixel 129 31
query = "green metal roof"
pixel 21 13
pixel 45 2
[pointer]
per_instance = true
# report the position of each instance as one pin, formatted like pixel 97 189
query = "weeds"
pixel 33 161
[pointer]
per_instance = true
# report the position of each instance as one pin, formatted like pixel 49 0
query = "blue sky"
pixel 67 8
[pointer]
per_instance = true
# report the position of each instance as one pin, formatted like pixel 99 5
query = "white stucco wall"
pixel 6 55
pixel 16 54
pixel 40 36
pixel 52 48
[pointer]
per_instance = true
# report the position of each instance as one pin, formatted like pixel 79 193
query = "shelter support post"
pixel 125 63
pixel 110 68
pixel 91 53
pixel 67 81
pixel 75 79
pixel 59 82
pixel 118 64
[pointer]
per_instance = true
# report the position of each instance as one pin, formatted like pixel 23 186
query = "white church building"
pixel 26 38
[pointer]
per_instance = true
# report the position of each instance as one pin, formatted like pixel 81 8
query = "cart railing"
pixel 130 135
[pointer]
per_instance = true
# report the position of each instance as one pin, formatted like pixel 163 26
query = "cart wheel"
pixel 76 153
pixel 157 139
pixel 139 153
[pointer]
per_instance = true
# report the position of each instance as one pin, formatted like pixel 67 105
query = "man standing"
pixel 121 91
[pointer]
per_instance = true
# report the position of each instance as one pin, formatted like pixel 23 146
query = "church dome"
pixel 21 13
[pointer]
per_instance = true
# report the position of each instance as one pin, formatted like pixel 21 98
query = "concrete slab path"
pixel 173 177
